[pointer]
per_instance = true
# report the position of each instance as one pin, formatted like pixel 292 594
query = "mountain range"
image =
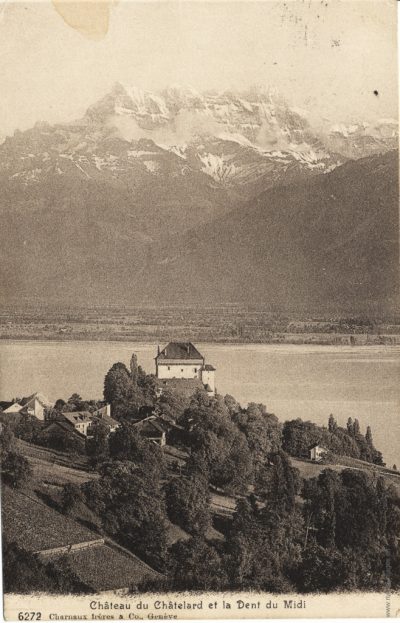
pixel 180 196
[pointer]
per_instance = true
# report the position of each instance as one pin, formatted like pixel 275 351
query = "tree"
pixel 128 390
pixel 298 436
pixel 368 436
pixel 75 398
pixel 320 507
pixel 195 565
pixel 278 483
pixel 26 573
pixel 59 404
pixel 350 427
pixel 134 368
pixel 321 569
pixel 188 503
pixel 172 404
pixel 72 498
pixel 232 405
pixel 130 502
pixel 75 403
pixel 97 445
pixel 262 547
pixel 147 386
pixel 28 428
pixel 262 430
pixel 16 470
pixel 211 432
pixel 356 427
pixel 7 441
pixel 118 384
pixel 126 444
pixel 332 424
pixel 63 440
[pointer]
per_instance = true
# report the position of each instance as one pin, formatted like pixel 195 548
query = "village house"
pixel 104 414
pixel 182 361
pixel 34 405
pixel 317 452
pixel 152 429
pixel 84 421
pixel 64 429
pixel 80 420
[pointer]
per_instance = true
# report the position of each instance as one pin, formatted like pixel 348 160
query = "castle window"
pixel 169 367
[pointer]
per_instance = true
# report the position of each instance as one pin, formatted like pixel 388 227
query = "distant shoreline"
pixel 214 325
pixel 304 340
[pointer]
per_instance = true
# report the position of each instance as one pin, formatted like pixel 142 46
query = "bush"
pixel 25 573
pixel 72 498
pixel 16 470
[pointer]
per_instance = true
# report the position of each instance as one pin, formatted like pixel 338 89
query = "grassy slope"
pixel 58 468
pixel 308 469
pixel 55 468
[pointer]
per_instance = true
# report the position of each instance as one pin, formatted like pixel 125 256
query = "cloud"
pixel 270 137
pixel 181 130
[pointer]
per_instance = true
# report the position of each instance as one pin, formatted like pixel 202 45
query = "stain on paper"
pixel 88 17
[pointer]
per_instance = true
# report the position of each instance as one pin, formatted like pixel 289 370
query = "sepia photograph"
pixel 199 314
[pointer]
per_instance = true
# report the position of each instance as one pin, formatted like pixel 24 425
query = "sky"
pixel 327 57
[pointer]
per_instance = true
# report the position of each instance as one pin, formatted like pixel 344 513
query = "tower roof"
pixel 179 350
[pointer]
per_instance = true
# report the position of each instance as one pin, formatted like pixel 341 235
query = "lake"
pixel 291 380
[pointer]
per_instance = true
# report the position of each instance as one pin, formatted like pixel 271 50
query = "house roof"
pixel 77 417
pixel 101 412
pixel 184 387
pixel 4 404
pixel 65 426
pixel 317 445
pixel 15 407
pixel 209 367
pixel 179 350
pixel 106 419
pixel 45 402
pixel 150 424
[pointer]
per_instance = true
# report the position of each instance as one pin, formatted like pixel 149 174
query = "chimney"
pixel 158 349
pixel 188 347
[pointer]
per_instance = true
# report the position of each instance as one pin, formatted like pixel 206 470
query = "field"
pixel 56 468
pixel 309 469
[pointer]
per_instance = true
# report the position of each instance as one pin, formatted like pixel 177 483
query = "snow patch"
pixel 151 166
pixel 216 167
pixel 235 138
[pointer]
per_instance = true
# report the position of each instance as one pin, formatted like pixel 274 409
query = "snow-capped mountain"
pixel 87 204
pixel 242 142
pixel 363 139
pixel 236 139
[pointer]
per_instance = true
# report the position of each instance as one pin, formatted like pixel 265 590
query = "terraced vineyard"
pixel 105 568
pixel 36 527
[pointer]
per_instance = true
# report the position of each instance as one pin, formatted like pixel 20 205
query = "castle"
pixel 182 360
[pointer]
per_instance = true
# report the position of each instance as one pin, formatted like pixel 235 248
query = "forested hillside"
pixel 220 506
pixel 328 243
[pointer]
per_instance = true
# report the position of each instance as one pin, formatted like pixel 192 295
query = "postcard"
pixel 199 321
